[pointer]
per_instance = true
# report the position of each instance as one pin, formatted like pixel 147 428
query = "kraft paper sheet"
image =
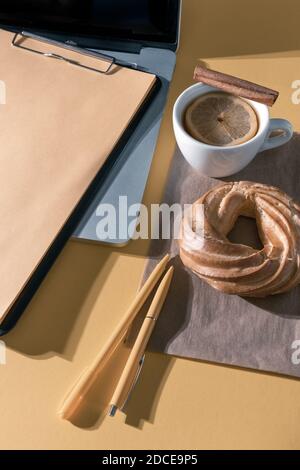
pixel 201 323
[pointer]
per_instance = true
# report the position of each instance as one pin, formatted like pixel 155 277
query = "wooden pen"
pixel 77 394
pixel 132 366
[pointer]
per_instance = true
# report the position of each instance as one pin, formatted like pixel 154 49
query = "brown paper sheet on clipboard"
pixel 57 128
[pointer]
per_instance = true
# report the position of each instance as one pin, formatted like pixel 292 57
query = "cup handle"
pixel 277 125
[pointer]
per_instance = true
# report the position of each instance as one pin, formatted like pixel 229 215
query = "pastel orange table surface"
pixel 177 403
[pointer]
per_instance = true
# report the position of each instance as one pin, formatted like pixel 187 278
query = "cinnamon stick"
pixel 235 85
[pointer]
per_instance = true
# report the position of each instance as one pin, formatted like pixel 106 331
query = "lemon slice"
pixel 222 119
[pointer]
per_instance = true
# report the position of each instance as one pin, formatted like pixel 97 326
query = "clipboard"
pixel 65 113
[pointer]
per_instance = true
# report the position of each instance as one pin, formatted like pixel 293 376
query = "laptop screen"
pixel 138 20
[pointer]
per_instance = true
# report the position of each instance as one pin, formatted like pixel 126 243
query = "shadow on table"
pixel 54 320
pixel 143 400
pixel 224 29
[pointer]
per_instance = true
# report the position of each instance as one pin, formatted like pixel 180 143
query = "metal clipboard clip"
pixel 26 35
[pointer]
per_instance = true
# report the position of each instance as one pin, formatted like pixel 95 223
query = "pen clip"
pixel 138 372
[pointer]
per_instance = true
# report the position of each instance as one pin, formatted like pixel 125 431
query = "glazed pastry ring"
pixel 236 268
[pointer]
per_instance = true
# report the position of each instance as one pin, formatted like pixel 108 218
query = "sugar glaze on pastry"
pixel 236 268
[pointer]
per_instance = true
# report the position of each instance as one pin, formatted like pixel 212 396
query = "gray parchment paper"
pixel 200 322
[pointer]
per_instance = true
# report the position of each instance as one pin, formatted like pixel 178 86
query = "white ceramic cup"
pixel 219 161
